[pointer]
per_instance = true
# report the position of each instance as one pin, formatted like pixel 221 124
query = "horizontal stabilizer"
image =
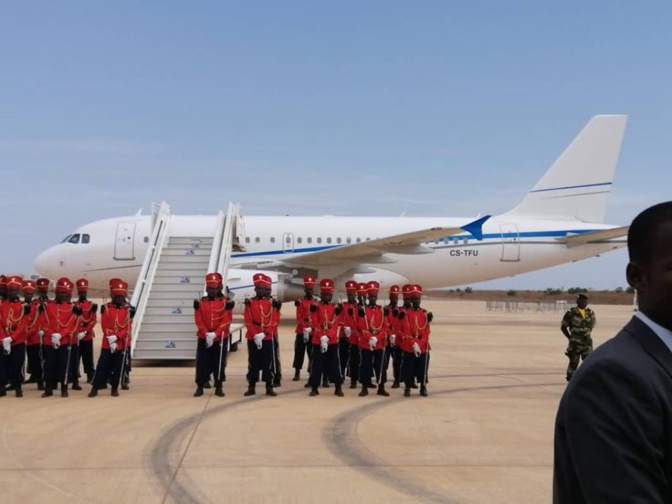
pixel 365 252
pixel 595 236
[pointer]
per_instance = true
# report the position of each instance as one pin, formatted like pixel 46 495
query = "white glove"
pixel 209 339
pixel 258 339
pixel 112 339
pixel 113 347
pixel 373 341
pixel 347 331
pixel 7 344
pixel 306 333
pixel 81 336
pixel 56 340
pixel 416 349
pixel 324 343
pixel 393 338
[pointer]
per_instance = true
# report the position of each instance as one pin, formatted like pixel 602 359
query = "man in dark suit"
pixel 613 431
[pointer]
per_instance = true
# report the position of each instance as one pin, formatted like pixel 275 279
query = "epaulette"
pixel 102 308
pixel 339 309
pixel 247 301
pixel 197 304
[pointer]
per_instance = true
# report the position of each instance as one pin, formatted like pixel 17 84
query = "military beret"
pixel 581 296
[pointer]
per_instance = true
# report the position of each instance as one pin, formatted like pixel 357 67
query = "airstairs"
pixel 172 276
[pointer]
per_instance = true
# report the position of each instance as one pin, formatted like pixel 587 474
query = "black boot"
pixel 115 392
pixel 48 391
pixel 314 391
pixel 207 384
pixel 89 376
pixel 382 391
pixel 353 383
pixel 423 391
pixel 218 391
pixel 250 390
pixel 270 391
pixel 407 391
pixel 395 384
pixel 3 391
pixel 40 385
pixel 199 391
pixel 339 390
pixel 19 392
pixel 94 392
pixel 76 385
pixel 364 392
pixel 64 390
pixel 297 375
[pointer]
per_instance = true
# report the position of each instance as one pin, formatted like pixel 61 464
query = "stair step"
pixel 181 240
pixel 185 259
pixel 185 251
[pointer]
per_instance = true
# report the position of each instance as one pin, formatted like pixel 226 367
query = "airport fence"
pixel 555 306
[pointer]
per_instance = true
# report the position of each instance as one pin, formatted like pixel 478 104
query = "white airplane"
pixel 560 220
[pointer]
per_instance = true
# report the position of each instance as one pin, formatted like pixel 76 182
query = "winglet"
pixel 475 228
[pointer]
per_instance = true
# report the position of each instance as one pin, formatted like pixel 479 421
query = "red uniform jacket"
pixel 373 323
pixel 43 322
pixel 211 315
pixel 32 337
pixel 303 315
pixel 259 317
pixel 325 322
pixel 393 322
pixel 116 322
pixel 87 320
pixel 59 318
pixel 349 319
pixel 415 328
pixel 13 321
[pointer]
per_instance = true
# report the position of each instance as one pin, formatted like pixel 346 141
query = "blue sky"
pixel 298 107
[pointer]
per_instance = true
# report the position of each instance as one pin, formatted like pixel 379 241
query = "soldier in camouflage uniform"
pixel 577 326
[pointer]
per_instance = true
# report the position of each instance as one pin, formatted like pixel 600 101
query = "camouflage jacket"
pixel 576 324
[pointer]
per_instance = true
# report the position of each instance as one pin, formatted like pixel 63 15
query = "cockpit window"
pixel 74 238
pixel 85 238
pixel 66 238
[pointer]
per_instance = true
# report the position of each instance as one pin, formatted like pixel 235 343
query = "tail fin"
pixel 578 184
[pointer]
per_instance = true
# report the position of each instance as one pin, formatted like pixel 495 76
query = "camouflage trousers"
pixel 578 348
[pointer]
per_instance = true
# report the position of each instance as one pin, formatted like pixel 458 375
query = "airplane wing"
pixel 372 251
pixel 595 236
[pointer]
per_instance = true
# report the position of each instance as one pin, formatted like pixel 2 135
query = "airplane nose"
pixel 44 263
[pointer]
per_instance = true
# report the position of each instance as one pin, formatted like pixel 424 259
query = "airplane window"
pixel 86 238
pixel 288 240
pixel 256 240
pixel 66 238
pixel 309 240
pixel 348 240
pixel 358 240
pixel 299 239
pixel 465 241
pixel 272 239
pixel 338 240
pixel 247 239
pixel 146 239
pixel 74 238
pixel 368 239
pixel 319 240
pixel 329 240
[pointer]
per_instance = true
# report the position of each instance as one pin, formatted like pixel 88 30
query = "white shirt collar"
pixel 664 334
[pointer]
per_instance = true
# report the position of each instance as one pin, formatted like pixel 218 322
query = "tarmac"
pixel 484 434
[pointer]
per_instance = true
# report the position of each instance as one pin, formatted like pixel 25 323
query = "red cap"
pixel 309 281
pixel 372 287
pixel 261 280
pixel 28 286
pixel 416 290
pixel 118 287
pixel 82 285
pixel 394 289
pixel 406 290
pixel 327 286
pixel 213 280
pixel 350 286
pixel 361 288
pixel 64 285
pixel 42 284
pixel 15 281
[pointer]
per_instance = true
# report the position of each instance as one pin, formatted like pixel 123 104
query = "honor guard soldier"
pixel 33 350
pixel 343 338
pixel 349 324
pixel 415 343
pixel 372 342
pixel 213 315
pixel 259 320
pixel 393 324
pixel 577 326
pixel 14 318
pixel 277 305
pixel 302 345
pixel 60 319
pixel 116 322
pixel 324 338
pixel 42 323
pixel 87 321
